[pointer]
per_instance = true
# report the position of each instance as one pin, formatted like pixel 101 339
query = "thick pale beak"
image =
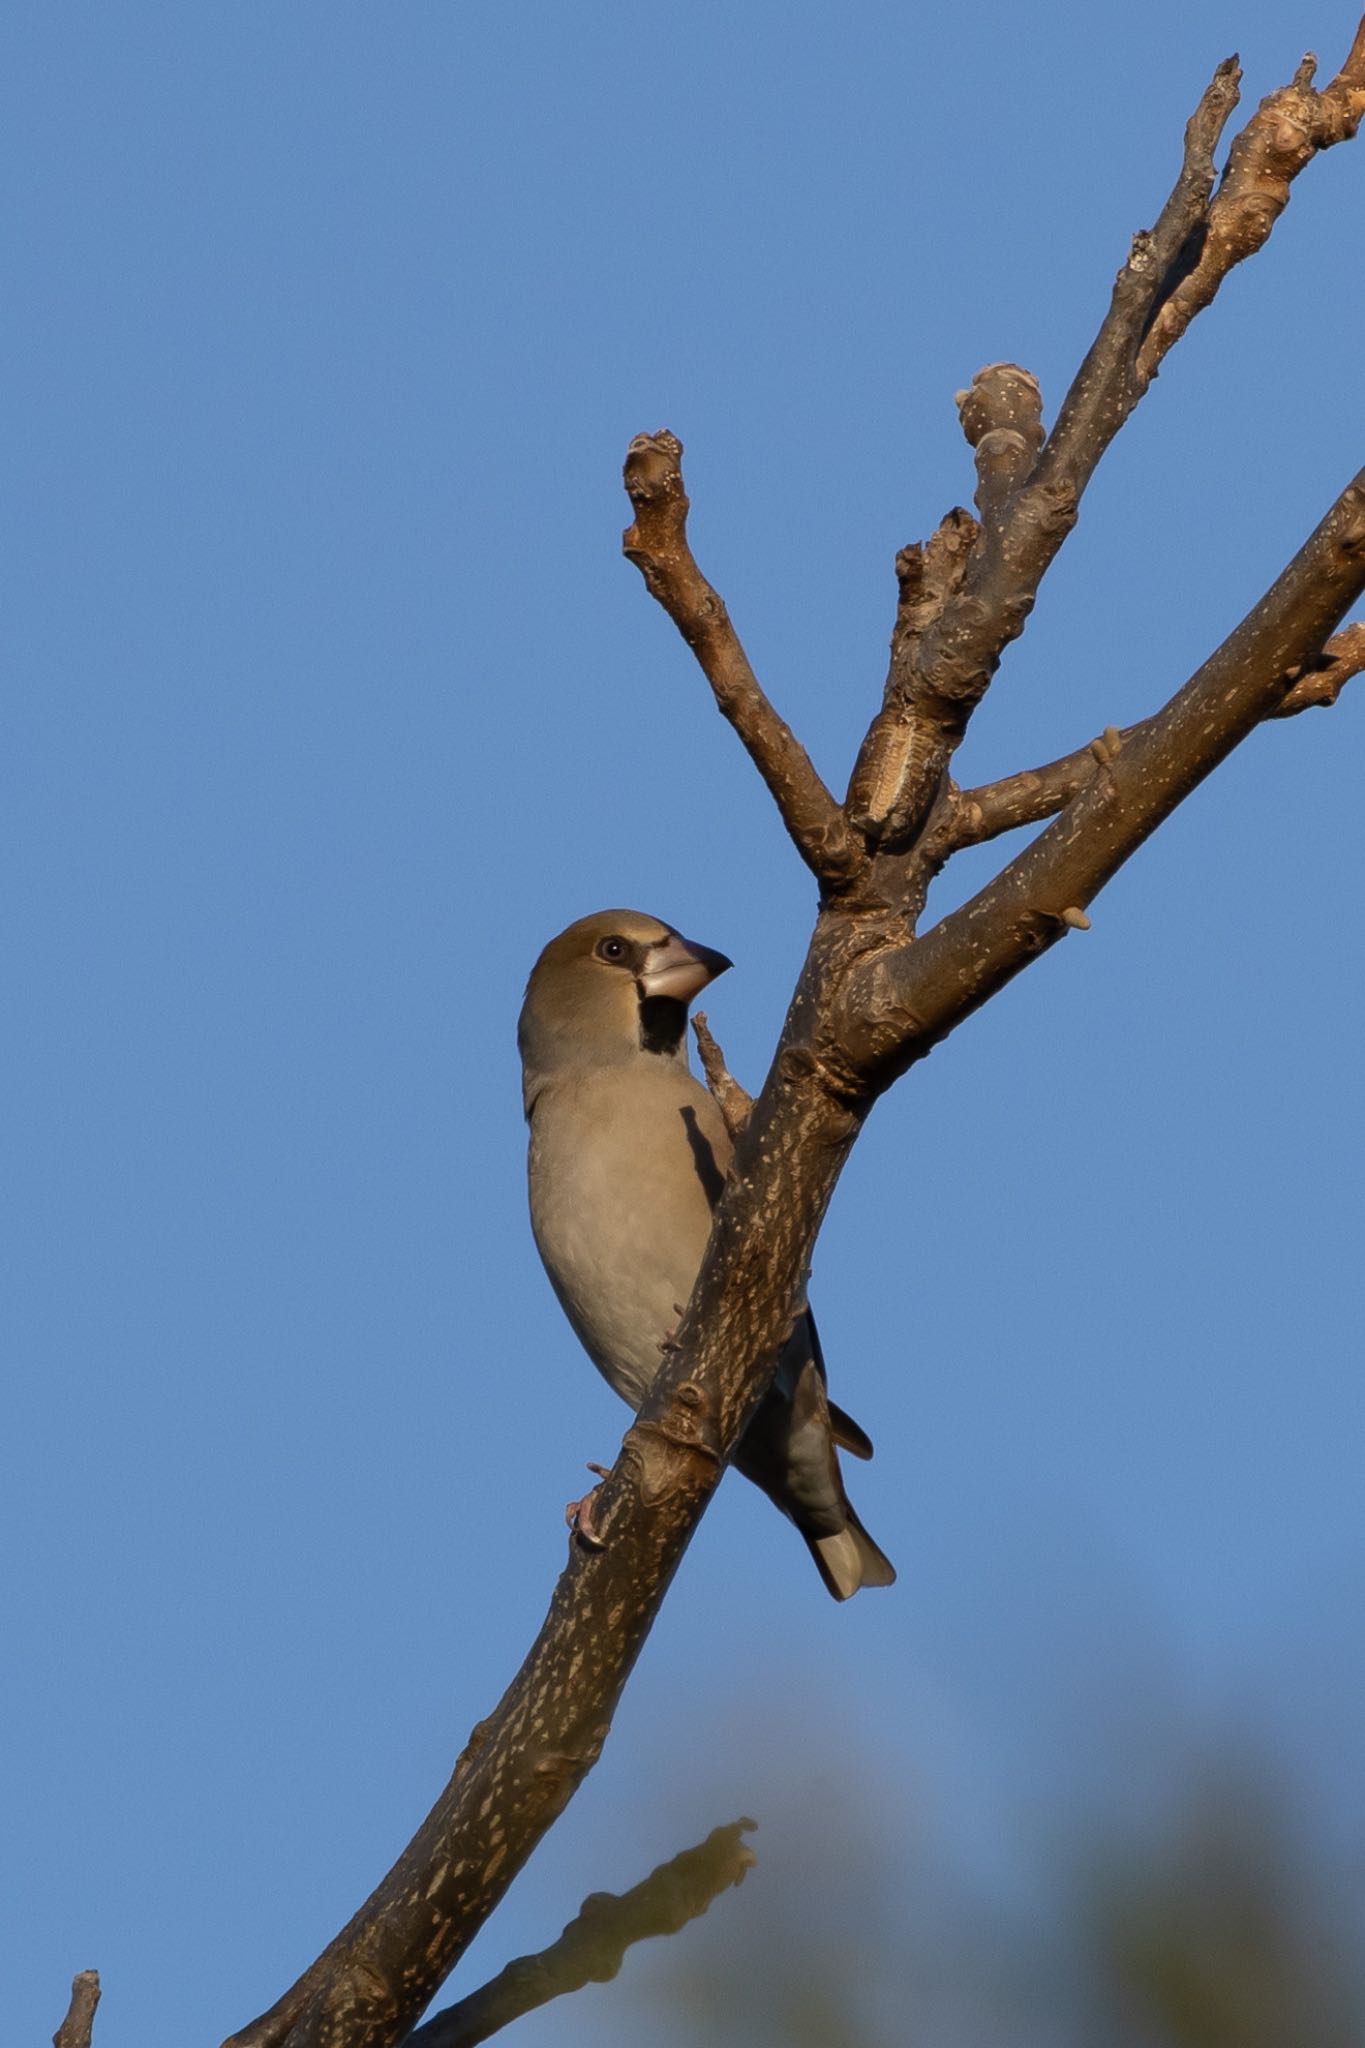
pixel 676 968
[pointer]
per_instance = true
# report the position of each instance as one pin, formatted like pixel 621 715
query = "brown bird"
pixel 628 1156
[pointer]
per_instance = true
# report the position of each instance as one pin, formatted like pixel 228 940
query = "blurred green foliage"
pixel 1214 1918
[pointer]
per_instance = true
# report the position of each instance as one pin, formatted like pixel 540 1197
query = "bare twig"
pixel 657 544
pixel 592 1947
pixel 1106 387
pixel 1286 131
pixel 732 1098
pixel 976 815
pixel 1320 684
pixel 75 2030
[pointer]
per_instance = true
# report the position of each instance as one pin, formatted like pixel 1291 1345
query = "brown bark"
pixel 1288 129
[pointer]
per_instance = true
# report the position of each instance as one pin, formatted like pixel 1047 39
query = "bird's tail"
pixel 850 1560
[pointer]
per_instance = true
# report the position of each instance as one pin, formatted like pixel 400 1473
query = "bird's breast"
pixel 622 1181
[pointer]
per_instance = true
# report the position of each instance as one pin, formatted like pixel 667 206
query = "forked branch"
pixel 1172 273
pixel 904 1001
pixel 1287 130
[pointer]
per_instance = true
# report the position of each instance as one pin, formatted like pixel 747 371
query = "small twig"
pixel 1106 388
pixel 1028 797
pixel 975 815
pixel 1320 684
pixel 593 1945
pixel 76 2028
pixel 732 1098
pixel 1285 133
pixel 657 544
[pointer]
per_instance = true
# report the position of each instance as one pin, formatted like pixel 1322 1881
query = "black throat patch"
pixel 663 1021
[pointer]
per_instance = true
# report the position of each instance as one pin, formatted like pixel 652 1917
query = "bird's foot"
pixel 578 1513
pixel 670 1342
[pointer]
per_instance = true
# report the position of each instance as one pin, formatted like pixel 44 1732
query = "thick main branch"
pixel 523 1764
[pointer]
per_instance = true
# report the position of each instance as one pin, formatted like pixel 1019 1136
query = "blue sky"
pixel 334 699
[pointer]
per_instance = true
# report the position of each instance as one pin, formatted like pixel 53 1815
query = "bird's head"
pixel 612 987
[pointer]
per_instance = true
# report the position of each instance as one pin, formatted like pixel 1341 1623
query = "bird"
pixel 627 1157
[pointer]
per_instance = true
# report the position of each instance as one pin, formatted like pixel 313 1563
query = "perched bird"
pixel 628 1155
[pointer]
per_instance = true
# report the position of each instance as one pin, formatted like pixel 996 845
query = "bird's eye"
pixel 612 949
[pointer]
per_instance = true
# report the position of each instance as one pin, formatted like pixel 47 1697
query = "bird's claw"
pixel 578 1513
pixel 670 1342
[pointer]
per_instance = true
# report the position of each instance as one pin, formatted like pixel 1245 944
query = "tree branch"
pixel 938 678
pixel 1318 684
pixel 1172 273
pixel 75 2030
pixel 976 815
pixel 903 1001
pixel 1106 388
pixel 1287 130
pixel 972 816
pixel 593 1946
pixel 733 1100
pixel 657 544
